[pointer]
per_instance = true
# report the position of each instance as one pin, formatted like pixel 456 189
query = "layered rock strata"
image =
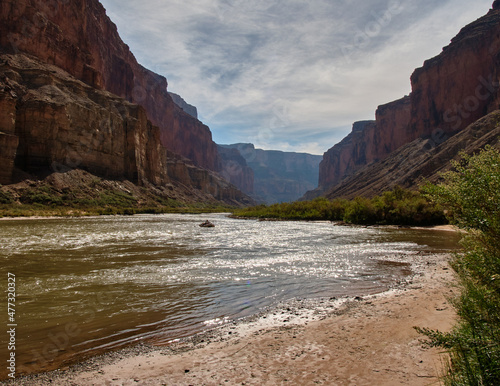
pixel 77 36
pixel 369 141
pixel 449 92
pixel 8 139
pixel 62 123
pixel 52 122
pixel 343 158
pixel 460 85
pixel 236 170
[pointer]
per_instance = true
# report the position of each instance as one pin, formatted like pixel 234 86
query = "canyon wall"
pixel 236 170
pixel 342 159
pixel 8 139
pixel 279 176
pixel 62 123
pixel 52 122
pixel 449 92
pixel 369 141
pixel 420 160
pixel 186 107
pixel 77 36
pixel 461 84
pixel 392 118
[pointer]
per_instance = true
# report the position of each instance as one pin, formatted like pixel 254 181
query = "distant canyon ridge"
pixel 277 176
pixel 268 176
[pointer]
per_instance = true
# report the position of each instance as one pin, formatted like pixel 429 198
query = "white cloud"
pixel 289 75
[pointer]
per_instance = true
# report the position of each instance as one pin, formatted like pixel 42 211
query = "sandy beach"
pixel 362 341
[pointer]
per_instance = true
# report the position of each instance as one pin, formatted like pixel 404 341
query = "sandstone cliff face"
pixel 342 159
pixel 369 141
pixel 461 84
pixel 450 91
pixel 279 176
pixel 77 36
pixel 52 122
pixel 61 123
pixel 8 149
pixel 182 171
pixel 392 118
pixel 8 140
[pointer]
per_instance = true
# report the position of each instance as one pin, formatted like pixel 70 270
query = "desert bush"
pixel 471 196
pixel 42 196
pixel 360 211
pixel 397 207
pixel 5 198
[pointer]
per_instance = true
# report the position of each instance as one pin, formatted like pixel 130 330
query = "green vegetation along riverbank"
pixel 471 195
pixel 396 207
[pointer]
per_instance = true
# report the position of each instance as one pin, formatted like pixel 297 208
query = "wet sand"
pixel 362 341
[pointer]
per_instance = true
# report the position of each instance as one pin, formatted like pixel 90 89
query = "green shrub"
pixel 129 211
pixel 397 207
pixel 471 196
pixel 360 211
pixel 116 199
pixel 5 198
pixel 41 196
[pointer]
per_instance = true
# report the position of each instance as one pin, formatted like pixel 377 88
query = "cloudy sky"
pixel 288 75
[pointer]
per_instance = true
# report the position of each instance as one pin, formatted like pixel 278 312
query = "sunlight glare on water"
pixel 120 280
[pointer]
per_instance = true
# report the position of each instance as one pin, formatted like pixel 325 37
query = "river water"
pixel 88 285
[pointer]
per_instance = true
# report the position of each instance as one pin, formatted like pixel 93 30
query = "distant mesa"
pixel 277 176
pixel 496 4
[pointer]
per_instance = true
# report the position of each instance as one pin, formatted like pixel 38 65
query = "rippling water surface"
pixel 90 284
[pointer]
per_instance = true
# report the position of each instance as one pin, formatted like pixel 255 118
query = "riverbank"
pixel 363 341
pixel 21 213
pixel 397 207
pixel 83 215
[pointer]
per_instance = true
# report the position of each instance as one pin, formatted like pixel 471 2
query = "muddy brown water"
pixel 88 285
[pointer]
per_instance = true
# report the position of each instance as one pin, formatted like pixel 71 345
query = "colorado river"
pixel 88 285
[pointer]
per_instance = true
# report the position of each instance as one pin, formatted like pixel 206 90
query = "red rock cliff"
pixel 460 85
pixel 57 122
pixel 369 141
pixel 53 122
pixel 450 91
pixel 77 36
pixel 341 159
pixel 392 119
